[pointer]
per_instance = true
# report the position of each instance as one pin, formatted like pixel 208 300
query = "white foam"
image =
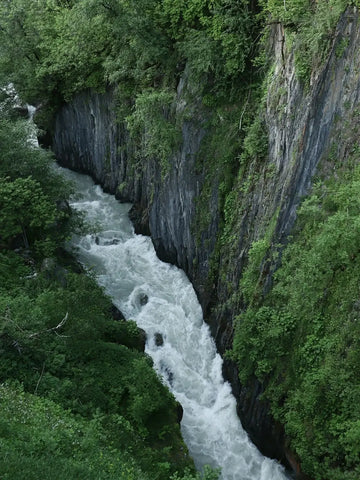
pixel 127 266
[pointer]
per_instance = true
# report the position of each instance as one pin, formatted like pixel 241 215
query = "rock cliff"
pixel 89 139
pixel 307 128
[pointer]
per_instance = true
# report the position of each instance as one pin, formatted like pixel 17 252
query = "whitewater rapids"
pixel 162 301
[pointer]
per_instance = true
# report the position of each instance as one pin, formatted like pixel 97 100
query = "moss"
pixel 261 255
pixel 299 338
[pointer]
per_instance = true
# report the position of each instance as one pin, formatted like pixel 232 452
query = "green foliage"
pixel 57 47
pixel 259 256
pixel 50 48
pixel 302 340
pixel 30 318
pixel 141 51
pixel 97 408
pixel 57 337
pixel 252 274
pixel 12 269
pixel 225 151
pixel 19 158
pixel 38 438
pixel 151 122
pixel 256 141
pixel 65 47
pixel 31 193
pixel 207 474
pixel 72 49
pixel 252 152
pixel 264 330
pixel 290 11
pixel 214 37
pixel 25 209
pixel 314 25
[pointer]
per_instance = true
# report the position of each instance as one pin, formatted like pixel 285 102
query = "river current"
pixel 162 301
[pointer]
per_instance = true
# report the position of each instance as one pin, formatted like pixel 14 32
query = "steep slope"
pixel 88 138
pixel 306 129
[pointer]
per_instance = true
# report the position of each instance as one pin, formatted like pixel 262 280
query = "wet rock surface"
pixel 143 299
pixel 159 340
pixel 116 314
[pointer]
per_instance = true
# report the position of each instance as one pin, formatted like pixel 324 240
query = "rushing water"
pixel 161 300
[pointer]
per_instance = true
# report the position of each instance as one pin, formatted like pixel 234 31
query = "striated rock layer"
pixel 304 126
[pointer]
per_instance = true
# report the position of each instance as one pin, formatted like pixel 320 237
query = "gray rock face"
pixel 89 139
pixel 303 128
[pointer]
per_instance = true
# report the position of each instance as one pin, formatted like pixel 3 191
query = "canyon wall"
pixel 307 128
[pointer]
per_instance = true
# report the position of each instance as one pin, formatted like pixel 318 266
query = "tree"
pixel 24 210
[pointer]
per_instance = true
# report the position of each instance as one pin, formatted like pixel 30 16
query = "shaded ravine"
pixel 161 300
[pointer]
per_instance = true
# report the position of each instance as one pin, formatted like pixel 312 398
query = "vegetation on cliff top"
pixel 55 48
pixel 50 46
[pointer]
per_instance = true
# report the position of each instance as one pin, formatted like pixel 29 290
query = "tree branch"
pixel 38 382
pixel 53 329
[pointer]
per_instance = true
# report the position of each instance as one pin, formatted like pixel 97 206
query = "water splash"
pixel 161 300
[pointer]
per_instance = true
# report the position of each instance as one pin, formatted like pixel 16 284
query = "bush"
pixel 302 340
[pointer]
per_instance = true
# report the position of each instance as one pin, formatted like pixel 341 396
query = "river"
pixel 162 301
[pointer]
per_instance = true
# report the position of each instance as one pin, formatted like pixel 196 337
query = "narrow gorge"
pixel 304 128
pixel 163 303
pixel 232 127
